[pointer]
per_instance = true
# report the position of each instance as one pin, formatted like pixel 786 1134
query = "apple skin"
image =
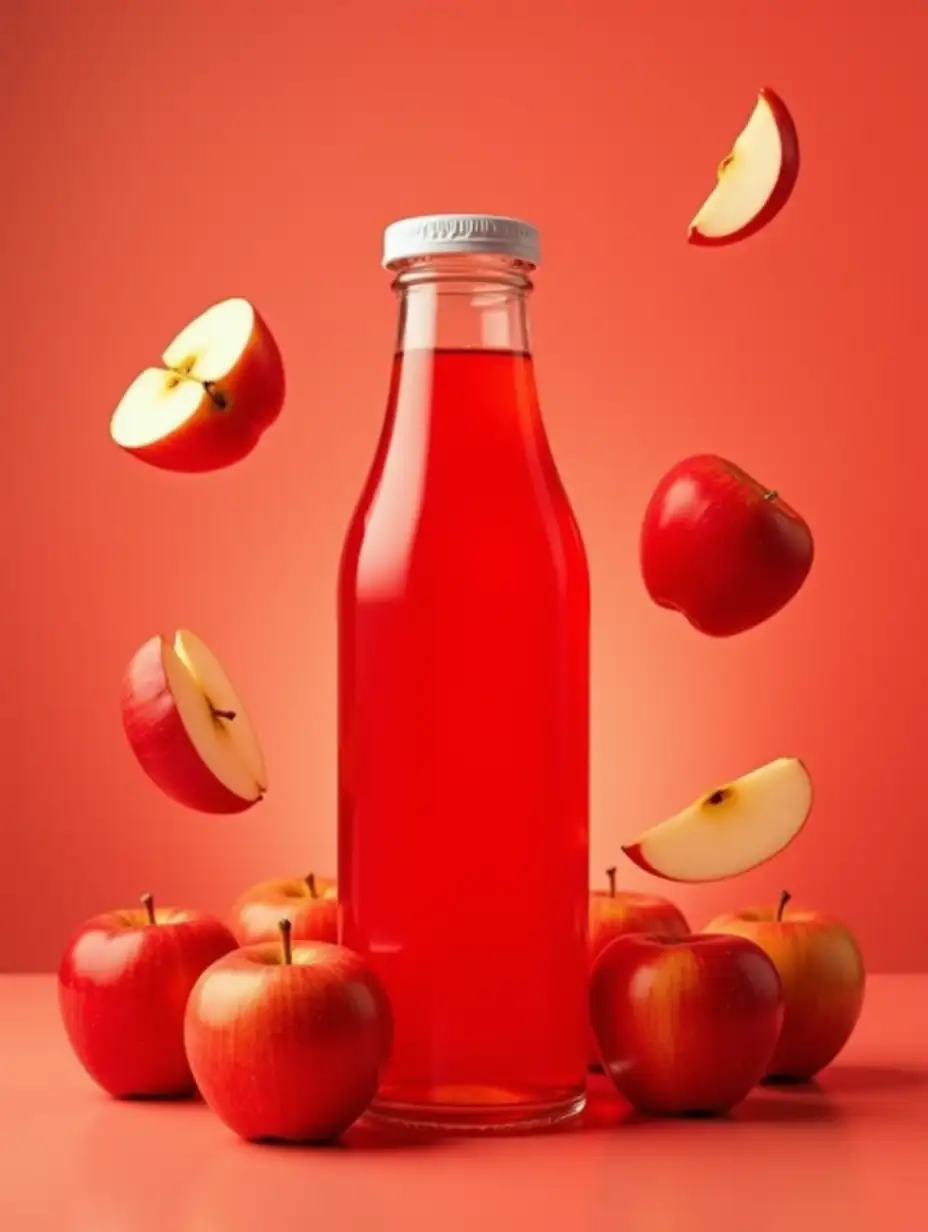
pixel 160 741
pixel 289 1051
pixel 616 913
pixel 309 903
pixel 783 189
pixel 123 984
pixel 720 548
pixel 234 414
pixel 687 1026
pixel 822 972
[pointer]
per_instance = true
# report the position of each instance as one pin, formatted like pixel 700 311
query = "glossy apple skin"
pixel 782 190
pixel 160 742
pixel 289 1052
pixel 257 913
pixel 720 548
pixel 822 972
pixel 123 985
pixel 685 1026
pixel 252 396
pixel 624 912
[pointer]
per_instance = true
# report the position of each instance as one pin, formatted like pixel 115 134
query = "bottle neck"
pixel 463 302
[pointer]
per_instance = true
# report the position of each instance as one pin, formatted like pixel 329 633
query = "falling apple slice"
pixel 755 180
pixel 221 387
pixel 731 829
pixel 188 727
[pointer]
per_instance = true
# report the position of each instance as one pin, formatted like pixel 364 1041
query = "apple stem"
pixel 148 903
pixel 771 495
pixel 286 928
pixel 610 873
pixel 222 714
pixel 311 882
pixel 784 899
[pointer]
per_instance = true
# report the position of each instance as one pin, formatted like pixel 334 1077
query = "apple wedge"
pixel 730 829
pixel 755 180
pixel 188 727
pixel 221 387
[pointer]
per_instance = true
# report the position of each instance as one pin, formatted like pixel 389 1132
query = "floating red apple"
pixel 287 1041
pixel 188 728
pixel 822 973
pixel 221 388
pixel 721 548
pixel 123 984
pixel 686 1026
pixel 755 180
pixel 310 903
pixel 730 829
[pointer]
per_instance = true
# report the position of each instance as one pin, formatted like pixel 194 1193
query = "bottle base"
pixel 466 1115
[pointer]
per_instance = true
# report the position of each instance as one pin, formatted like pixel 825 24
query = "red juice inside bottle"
pixel 463 703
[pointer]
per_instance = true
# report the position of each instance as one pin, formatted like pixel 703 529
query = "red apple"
pixel 221 387
pixel 730 829
pixel 616 913
pixel 685 1026
pixel 721 548
pixel 755 180
pixel 188 728
pixel 822 973
pixel 310 903
pixel 288 1042
pixel 123 984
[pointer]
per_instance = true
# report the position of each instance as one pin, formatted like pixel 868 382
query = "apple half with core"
pixel 188 728
pixel 755 180
pixel 221 387
pixel 310 903
pixel 721 548
pixel 822 973
pixel 288 1040
pixel 123 984
pixel 685 1026
pixel 730 829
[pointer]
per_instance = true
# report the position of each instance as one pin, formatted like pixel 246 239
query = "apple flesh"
pixel 755 180
pixel 123 984
pixel 221 388
pixel 310 903
pixel 188 728
pixel 822 972
pixel 287 1041
pixel 730 829
pixel 685 1026
pixel 721 548
pixel 617 913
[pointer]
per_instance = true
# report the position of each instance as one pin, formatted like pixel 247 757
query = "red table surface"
pixel 848 1152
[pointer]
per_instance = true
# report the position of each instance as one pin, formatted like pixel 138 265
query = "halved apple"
pixel 221 387
pixel 755 180
pixel 188 728
pixel 730 829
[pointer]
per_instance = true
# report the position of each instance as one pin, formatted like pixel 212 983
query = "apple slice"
pixel 221 387
pixel 188 727
pixel 755 180
pixel 730 829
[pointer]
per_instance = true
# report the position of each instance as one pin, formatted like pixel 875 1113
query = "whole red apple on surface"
pixel 755 180
pixel 310 903
pixel 221 388
pixel 123 984
pixel 188 728
pixel 721 548
pixel 616 913
pixel 685 1026
pixel 288 1041
pixel 822 973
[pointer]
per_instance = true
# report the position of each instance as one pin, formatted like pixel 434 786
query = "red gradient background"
pixel 157 158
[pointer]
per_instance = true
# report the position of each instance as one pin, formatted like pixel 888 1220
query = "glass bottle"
pixel 463 702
